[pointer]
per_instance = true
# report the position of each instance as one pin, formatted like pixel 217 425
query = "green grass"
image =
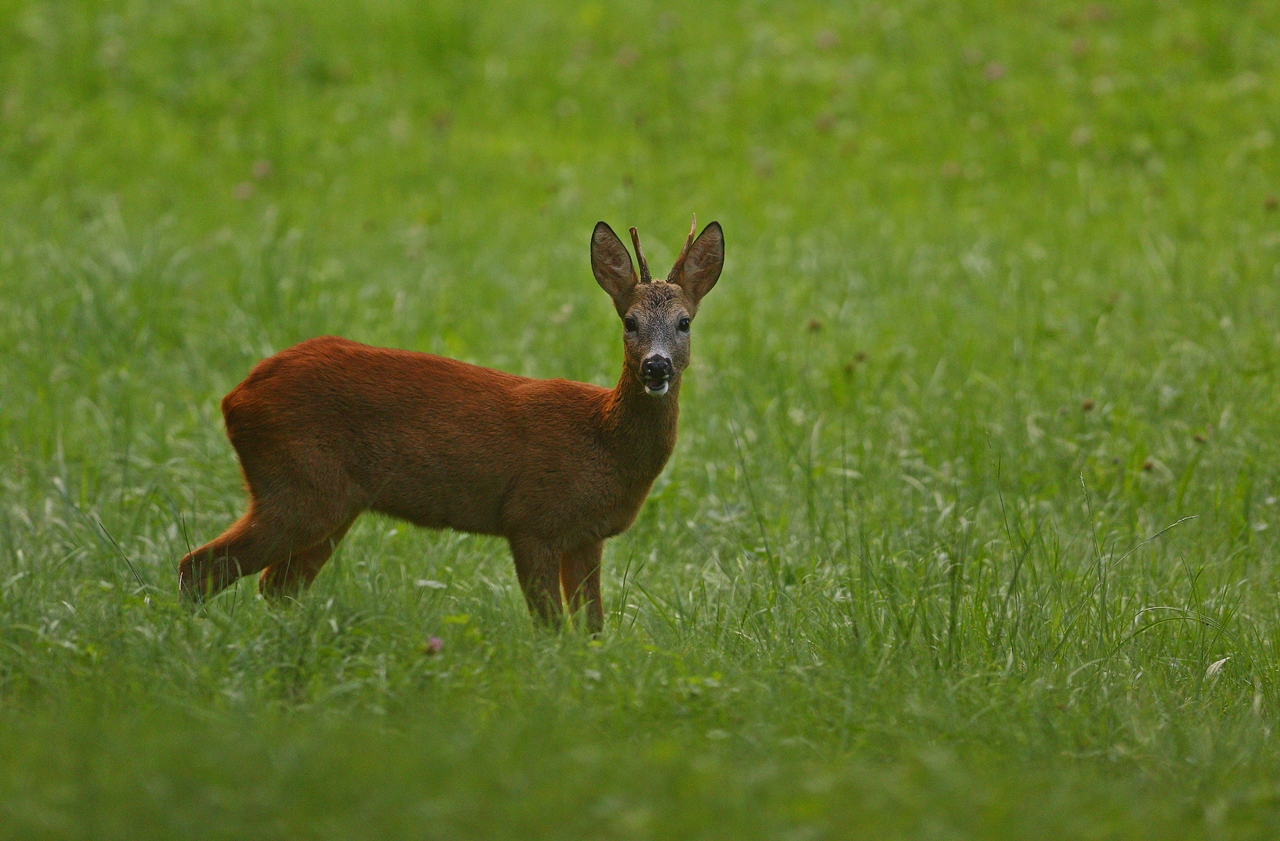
pixel 971 527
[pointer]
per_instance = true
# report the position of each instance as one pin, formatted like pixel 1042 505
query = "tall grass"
pixel 970 530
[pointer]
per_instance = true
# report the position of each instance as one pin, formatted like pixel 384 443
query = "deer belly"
pixel 477 516
pixel 443 496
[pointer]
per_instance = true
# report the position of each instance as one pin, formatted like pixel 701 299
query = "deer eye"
pixel 684 325
pixel 629 324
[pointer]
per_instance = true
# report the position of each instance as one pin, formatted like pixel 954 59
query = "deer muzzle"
pixel 656 373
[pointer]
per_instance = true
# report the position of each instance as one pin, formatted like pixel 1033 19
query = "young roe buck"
pixel 330 428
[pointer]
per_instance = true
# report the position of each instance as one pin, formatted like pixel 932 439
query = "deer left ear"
pixel 612 266
pixel 700 265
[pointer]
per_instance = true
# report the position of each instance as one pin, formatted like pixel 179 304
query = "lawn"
pixel 971 528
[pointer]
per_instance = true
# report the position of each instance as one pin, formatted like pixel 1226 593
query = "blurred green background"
pixel 970 530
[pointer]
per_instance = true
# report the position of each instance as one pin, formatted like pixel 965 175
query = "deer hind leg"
pixel 295 573
pixel 580 577
pixel 215 565
pixel 537 569
pixel 263 536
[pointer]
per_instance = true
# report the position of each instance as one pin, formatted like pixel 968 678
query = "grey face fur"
pixel 657 315
pixel 655 330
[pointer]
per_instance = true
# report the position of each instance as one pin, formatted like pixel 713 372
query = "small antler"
pixel 644 264
pixel 684 252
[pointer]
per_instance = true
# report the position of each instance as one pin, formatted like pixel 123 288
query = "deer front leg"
pixel 580 577
pixel 537 569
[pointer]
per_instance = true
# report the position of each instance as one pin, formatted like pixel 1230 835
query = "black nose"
pixel 656 368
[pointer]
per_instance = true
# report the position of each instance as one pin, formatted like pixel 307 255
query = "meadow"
pixel 971 528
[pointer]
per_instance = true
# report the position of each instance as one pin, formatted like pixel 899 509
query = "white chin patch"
pixel 656 392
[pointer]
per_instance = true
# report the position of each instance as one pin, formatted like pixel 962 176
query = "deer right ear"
pixel 612 266
pixel 698 267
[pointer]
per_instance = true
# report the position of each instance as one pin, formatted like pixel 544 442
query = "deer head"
pixel 657 315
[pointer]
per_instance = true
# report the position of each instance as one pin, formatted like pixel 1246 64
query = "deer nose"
pixel 657 368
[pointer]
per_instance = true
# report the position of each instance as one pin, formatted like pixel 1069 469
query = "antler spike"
pixel 684 252
pixel 644 264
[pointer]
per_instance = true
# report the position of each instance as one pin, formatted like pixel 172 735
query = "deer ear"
pixel 699 267
pixel 612 266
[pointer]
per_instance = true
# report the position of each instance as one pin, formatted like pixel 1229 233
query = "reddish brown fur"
pixel 330 428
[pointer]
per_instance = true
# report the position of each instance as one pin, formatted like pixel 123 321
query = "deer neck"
pixel 640 427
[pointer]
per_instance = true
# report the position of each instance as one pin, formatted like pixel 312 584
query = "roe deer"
pixel 330 428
